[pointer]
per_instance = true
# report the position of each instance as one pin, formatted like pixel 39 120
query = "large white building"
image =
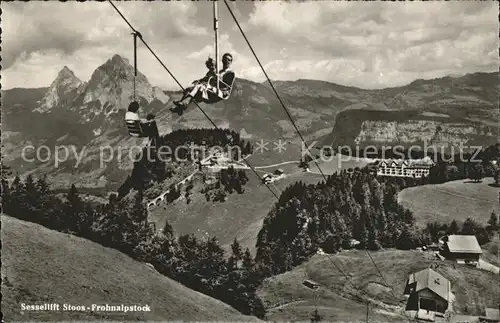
pixel 415 168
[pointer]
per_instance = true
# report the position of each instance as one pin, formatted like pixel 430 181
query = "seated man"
pixel 148 125
pixel 226 78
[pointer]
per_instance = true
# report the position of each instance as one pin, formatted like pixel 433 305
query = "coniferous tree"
pixel 453 228
pixel 493 222
pixel 75 210
pixel 315 316
pixel 497 176
pixel 236 255
pixel 247 261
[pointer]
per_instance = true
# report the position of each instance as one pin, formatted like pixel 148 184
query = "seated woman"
pixel 148 126
pixel 198 87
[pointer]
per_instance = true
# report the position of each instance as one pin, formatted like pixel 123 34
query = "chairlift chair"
pixel 135 130
pixel 227 81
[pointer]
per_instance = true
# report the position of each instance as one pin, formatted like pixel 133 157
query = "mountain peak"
pixel 65 82
pixel 66 73
pixel 111 86
pixel 118 60
pixel 116 66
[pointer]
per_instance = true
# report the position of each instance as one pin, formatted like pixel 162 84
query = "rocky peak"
pixel 66 73
pixel 65 83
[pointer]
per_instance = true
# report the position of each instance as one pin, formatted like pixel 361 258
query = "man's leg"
pixel 154 134
pixel 151 130
pixel 185 95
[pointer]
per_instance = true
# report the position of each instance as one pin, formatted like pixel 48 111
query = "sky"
pixel 364 44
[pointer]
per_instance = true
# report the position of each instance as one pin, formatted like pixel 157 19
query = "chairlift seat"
pixel 135 128
pixel 226 82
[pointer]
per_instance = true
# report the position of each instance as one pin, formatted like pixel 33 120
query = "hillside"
pixel 45 266
pixel 338 300
pixel 408 128
pixel 240 216
pixel 88 114
pixel 455 200
pixel 491 252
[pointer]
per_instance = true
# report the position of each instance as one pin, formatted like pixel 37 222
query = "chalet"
pixel 462 248
pixel 267 178
pixel 278 172
pixel 428 290
pixel 492 315
pixel 310 284
pixel 353 243
pixel 212 178
pixel 244 134
pixel 415 168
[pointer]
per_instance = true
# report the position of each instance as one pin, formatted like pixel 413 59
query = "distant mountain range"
pixel 90 114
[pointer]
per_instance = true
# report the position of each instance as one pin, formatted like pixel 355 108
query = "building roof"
pixel 430 279
pixel 463 244
pixel 412 163
pixel 493 314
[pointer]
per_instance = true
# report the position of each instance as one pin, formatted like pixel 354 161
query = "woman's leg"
pixel 198 88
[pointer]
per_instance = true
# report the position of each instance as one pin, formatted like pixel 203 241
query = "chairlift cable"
pixel 287 112
pixel 135 34
pixel 251 167
pixel 180 85
pixel 274 90
pixel 216 32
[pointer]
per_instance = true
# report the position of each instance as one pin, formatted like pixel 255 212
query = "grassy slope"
pixel 491 252
pixel 336 300
pixel 240 216
pixel 44 266
pixel 452 200
pixel 337 163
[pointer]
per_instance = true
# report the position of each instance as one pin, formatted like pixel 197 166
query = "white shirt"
pixel 132 116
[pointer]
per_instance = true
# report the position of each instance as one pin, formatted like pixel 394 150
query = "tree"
pixel 408 240
pixel 236 256
pixel 453 228
pixel 75 210
pixel 493 222
pixel 31 191
pixel 247 262
pixel 373 243
pixel 42 185
pixel 497 177
pixel 315 317
pixel 471 227
pixel 476 172
pixel 5 171
pixel 113 199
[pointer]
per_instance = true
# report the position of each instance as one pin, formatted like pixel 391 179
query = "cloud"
pixel 31 27
pixel 383 44
pixel 203 53
pixel 364 44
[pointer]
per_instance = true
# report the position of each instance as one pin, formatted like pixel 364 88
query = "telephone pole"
pixel 367 311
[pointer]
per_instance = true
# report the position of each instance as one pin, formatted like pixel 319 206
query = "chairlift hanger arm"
pixel 220 80
pixel 180 85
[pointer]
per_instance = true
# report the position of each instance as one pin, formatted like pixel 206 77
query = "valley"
pixel 282 237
